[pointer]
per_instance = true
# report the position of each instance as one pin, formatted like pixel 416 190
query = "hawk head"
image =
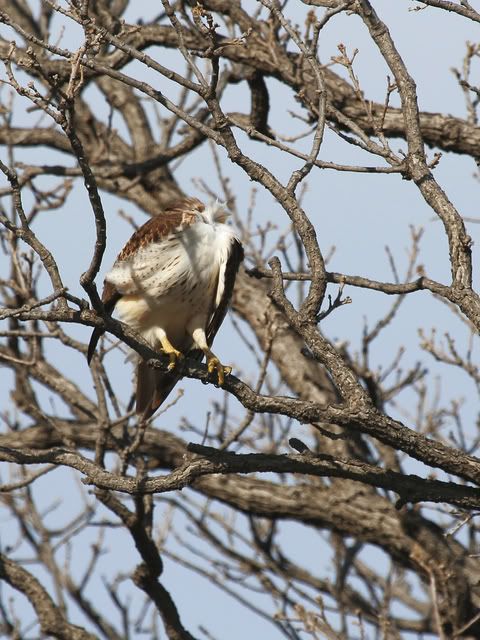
pixel 216 212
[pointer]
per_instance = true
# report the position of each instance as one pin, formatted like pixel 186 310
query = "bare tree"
pixel 354 454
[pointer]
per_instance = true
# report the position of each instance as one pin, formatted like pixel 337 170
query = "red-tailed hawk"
pixel 172 283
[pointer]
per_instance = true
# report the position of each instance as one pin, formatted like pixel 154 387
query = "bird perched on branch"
pixel 172 283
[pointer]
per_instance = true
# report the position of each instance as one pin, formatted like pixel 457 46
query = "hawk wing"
pixel 110 297
pixel 226 282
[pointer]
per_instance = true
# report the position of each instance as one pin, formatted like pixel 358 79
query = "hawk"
pixel 172 283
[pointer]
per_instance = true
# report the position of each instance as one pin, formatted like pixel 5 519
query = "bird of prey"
pixel 172 283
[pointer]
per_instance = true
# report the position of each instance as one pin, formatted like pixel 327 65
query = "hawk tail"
pixel 153 387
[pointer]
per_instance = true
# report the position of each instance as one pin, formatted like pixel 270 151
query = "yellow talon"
pixel 174 357
pixel 214 364
pixel 174 354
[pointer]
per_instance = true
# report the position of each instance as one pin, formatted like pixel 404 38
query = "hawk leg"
pixel 213 363
pixel 167 347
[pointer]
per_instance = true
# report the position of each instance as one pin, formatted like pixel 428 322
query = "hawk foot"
pixel 214 364
pixel 174 356
pixel 168 349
